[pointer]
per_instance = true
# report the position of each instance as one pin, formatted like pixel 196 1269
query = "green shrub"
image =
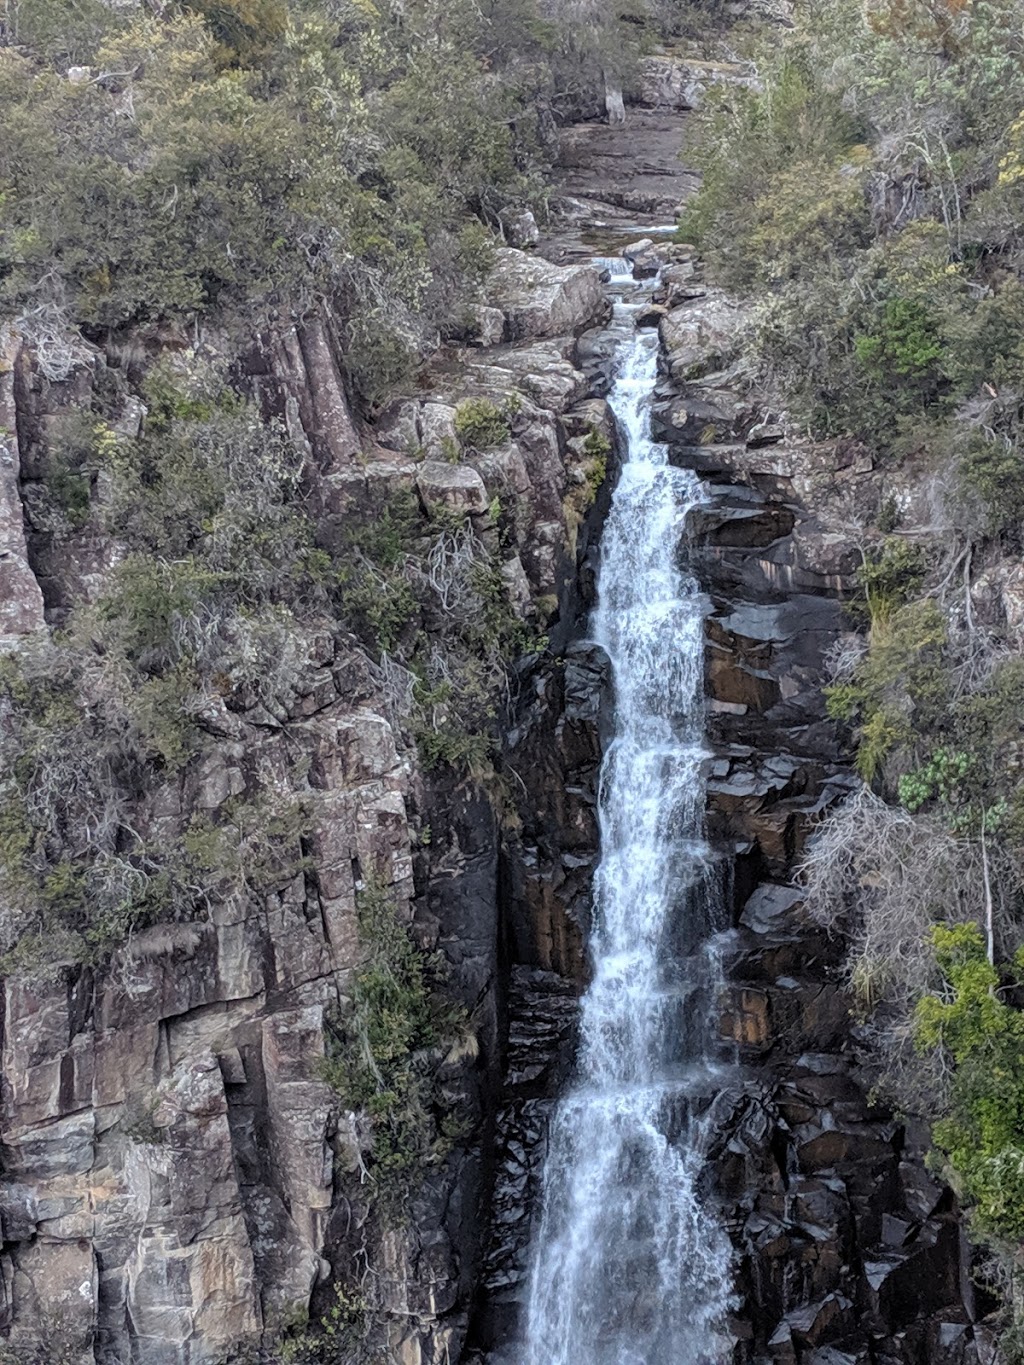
pixel 246 30
pixel 388 530
pixel 79 446
pixel 775 194
pixel 381 607
pixel 879 249
pixel 906 342
pixel 64 32
pixel 889 516
pixel 252 159
pixel 426 591
pixel 900 689
pixel 449 746
pixel 479 424
pixel 809 212
pixel 993 471
pixel 389 1047
pixel 221 566
pixel 891 575
pixel 983 1134
pixel 596 448
pixel 349 1332
pixel 942 777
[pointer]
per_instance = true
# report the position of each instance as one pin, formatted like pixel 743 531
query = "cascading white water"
pixel 629 1266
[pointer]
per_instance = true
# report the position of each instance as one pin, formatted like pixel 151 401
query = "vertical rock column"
pixel 21 601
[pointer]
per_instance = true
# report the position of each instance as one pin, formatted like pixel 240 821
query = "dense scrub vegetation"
pixel 390 1050
pixel 166 163
pixel 180 171
pixel 867 200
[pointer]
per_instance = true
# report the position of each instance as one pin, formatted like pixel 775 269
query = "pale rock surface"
pixel 437 434
pixel 539 299
pixel 297 374
pixel 21 600
pixel 671 83
pixel 167 1138
pixel 701 337
pixel 997 597
pixel 490 325
pixel 455 486
pixel 520 229
pixel 177 1177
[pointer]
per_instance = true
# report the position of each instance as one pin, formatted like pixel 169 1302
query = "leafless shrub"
pixel 978 653
pixel 843 655
pixel 57 345
pixel 447 570
pixel 883 876
pixel 397 688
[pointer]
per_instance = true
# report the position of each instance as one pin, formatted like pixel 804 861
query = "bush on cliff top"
pixel 248 159
pixel 868 195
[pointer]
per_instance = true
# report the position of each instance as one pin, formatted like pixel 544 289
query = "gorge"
pixel 409 950
pixel 843 1246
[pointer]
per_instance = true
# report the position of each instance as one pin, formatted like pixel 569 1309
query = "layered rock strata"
pixel 848 1250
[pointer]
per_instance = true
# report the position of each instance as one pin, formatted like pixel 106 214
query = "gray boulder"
pixel 539 299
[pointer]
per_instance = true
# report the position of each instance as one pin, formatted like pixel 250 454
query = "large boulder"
pixel 539 299
pixel 701 337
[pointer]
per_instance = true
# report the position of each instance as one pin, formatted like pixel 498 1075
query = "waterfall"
pixel 629 1266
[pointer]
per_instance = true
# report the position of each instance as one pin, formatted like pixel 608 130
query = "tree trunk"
pixel 613 101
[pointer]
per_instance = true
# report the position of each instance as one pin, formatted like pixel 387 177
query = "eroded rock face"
pixel 669 83
pixel 540 473
pixel 169 1146
pixel 543 1009
pixel 297 373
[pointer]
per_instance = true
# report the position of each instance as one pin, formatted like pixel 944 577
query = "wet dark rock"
pixel 587 678
pixel 548 857
pixel 595 351
pixel 743 520
pixel 843 1238
pixel 769 907
pixel 650 316
pixel 646 266
pixel 542 1018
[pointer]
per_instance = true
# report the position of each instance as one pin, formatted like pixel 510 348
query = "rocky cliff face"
pixel 179 1182
pixel 848 1250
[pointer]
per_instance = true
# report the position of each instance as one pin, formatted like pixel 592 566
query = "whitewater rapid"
pixel 629 1266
